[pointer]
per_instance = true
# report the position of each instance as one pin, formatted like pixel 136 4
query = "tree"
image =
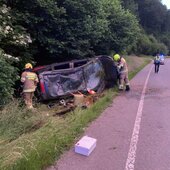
pixel 152 15
pixel 131 5
pixel 61 30
pixel 69 29
pixel 122 31
pixel 12 39
pixel 149 45
pixel 8 76
pixel 155 19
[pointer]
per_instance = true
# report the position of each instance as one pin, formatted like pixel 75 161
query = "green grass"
pixel 16 120
pixel 58 135
pixel 36 150
pixel 135 71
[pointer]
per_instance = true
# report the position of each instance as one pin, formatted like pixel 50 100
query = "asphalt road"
pixel 134 132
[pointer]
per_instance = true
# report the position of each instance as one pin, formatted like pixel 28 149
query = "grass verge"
pixel 136 70
pixel 38 149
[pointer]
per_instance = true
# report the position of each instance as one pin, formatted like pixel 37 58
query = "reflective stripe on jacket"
pixel 123 66
pixel 157 60
pixel 30 80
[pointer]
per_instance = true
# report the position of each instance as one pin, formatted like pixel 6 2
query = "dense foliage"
pixel 7 79
pixel 13 44
pixel 66 29
pixel 154 18
pixel 46 31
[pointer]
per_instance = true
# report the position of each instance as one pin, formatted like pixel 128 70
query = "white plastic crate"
pixel 85 145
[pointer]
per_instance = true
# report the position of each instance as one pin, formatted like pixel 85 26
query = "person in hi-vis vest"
pixel 157 63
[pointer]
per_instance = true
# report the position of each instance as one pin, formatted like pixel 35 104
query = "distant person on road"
pixel 29 80
pixel 122 71
pixel 157 63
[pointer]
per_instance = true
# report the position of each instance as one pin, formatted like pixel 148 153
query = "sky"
pixel 167 3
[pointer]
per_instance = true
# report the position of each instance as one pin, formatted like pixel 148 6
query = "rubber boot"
pixel 127 88
pixel 120 87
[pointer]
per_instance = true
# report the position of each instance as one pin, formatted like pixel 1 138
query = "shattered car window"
pixel 93 74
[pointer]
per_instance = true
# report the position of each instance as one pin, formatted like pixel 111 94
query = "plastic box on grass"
pixel 85 145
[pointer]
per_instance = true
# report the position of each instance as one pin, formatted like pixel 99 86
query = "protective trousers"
pixel 157 67
pixel 124 79
pixel 28 99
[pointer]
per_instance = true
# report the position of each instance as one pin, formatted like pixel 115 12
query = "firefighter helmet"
pixel 28 65
pixel 116 57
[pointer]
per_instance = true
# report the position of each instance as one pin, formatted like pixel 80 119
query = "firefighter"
pixel 122 71
pixel 29 80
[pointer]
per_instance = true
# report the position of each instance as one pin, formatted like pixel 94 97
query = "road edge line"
pixel 130 162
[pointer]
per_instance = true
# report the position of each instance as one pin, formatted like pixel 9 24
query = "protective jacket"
pixel 122 66
pixel 157 60
pixel 30 80
pixel 123 74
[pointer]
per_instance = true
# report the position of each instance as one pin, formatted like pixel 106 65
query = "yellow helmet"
pixel 116 57
pixel 28 65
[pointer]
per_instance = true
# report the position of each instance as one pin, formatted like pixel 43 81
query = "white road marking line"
pixel 130 162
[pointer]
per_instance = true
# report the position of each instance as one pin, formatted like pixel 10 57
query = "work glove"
pixel 119 67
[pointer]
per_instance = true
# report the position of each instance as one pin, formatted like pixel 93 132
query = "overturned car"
pixel 61 79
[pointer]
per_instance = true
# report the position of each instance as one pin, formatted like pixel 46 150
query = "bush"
pixel 8 76
pixel 149 45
